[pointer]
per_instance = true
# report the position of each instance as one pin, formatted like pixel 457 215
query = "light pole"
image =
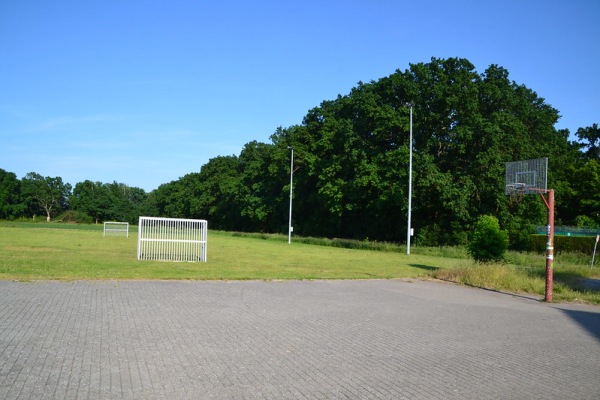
pixel 408 229
pixel 290 228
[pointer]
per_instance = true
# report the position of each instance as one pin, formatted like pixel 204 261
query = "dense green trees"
pixel 10 202
pixel 466 126
pixel 92 198
pixel 110 201
pixel 351 165
pixel 590 138
pixel 35 195
pixel 45 195
pixel 219 187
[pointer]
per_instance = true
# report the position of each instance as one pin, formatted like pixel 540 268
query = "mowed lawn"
pixel 37 253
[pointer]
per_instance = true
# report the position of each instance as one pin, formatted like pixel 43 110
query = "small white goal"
pixel 172 239
pixel 113 228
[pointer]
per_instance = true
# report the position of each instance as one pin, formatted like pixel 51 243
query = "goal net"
pixel 112 228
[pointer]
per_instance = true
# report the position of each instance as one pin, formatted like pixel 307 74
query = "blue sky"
pixel 144 92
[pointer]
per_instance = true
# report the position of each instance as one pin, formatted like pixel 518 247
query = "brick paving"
pixel 374 339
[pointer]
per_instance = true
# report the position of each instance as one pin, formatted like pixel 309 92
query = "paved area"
pixel 291 340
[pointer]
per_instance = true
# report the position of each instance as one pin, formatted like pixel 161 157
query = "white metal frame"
pixel 172 239
pixel 115 228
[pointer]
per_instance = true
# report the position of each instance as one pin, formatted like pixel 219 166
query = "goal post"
pixel 114 228
pixel 172 239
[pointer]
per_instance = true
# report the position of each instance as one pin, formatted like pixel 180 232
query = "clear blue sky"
pixel 144 92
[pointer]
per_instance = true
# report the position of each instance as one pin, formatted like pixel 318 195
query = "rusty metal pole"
pixel 550 247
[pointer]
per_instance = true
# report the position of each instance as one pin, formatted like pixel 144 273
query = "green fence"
pixel 564 244
pixel 569 231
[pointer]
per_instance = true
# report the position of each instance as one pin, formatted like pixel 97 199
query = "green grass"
pixel 52 251
pixel 526 273
pixel 72 252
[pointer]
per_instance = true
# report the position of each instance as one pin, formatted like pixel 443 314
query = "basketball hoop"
pixel 531 177
pixel 516 188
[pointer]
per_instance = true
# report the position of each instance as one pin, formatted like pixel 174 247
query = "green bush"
pixel 489 242
pixel 583 221
pixel 74 217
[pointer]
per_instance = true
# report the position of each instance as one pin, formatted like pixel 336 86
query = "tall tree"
pixel 352 153
pixel 92 198
pixel 219 197
pixel 587 190
pixel 466 126
pixel 590 141
pixel 263 177
pixel 10 189
pixel 126 202
pixel 45 193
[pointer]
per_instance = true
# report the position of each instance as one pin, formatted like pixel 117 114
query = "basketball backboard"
pixel 527 176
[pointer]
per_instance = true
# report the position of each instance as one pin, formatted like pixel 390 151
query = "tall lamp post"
pixel 290 228
pixel 409 229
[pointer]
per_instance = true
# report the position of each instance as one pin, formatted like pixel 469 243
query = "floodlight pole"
pixel 549 202
pixel 291 184
pixel 408 229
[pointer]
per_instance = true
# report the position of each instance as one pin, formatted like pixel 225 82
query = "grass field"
pixel 71 252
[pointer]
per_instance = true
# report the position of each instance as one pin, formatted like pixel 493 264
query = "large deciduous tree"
pixel 10 190
pixel 352 154
pixel 587 190
pixel 263 190
pixel 92 198
pixel 46 193
pixel 110 201
pixel 466 126
pixel 219 197
pixel 590 140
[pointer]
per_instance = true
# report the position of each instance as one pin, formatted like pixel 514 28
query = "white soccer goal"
pixel 112 228
pixel 172 239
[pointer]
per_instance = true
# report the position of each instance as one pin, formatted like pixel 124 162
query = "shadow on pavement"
pixel 533 297
pixel 588 320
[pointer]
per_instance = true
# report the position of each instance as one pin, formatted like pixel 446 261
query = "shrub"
pixel 489 241
pixel 583 221
pixel 74 217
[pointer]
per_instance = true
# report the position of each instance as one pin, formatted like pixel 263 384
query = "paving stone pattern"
pixel 374 339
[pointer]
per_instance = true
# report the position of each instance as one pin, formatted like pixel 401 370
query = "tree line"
pixel 351 159
pixel 49 197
